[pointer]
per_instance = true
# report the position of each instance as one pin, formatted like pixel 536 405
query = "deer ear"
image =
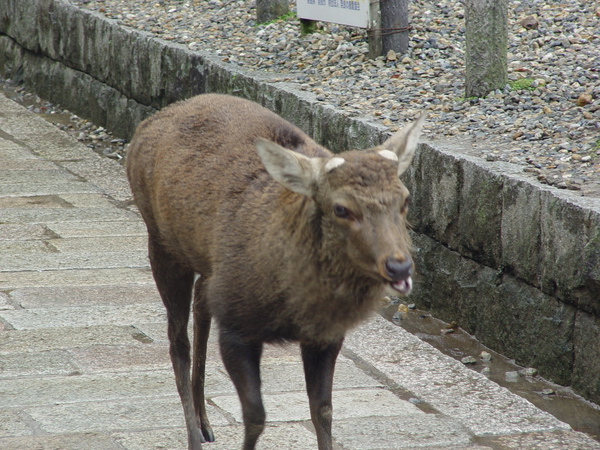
pixel 296 172
pixel 404 143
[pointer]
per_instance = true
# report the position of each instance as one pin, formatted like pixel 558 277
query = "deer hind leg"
pixel 242 361
pixel 174 284
pixel 319 365
pixel 202 319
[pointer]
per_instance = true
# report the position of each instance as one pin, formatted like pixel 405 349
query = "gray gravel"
pixel 552 127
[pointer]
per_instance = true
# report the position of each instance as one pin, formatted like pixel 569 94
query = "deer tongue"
pixel 403 286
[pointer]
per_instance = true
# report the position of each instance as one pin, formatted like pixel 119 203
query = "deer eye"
pixel 405 205
pixel 341 211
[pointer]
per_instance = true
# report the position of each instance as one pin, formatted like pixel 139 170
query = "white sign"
pixel 354 13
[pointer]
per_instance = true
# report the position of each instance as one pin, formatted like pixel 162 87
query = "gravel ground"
pixel 547 118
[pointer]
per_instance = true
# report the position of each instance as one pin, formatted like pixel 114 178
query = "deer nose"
pixel 398 270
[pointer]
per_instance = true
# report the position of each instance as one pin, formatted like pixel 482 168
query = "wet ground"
pixel 448 338
pixel 94 137
pixel 451 340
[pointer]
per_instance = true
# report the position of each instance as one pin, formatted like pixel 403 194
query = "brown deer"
pixel 290 242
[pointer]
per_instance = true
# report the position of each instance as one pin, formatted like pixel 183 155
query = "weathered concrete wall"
pixel 514 262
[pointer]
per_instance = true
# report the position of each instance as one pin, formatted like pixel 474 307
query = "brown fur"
pixel 274 264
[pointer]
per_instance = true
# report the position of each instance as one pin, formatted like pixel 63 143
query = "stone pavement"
pixel 84 357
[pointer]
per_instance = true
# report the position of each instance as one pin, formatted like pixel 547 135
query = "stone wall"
pixel 512 261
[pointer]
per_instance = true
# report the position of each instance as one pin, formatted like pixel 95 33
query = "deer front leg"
pixel 319 365
pixel 242 361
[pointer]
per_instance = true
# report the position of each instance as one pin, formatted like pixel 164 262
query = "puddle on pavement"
pixel 559 401
pixel 92 136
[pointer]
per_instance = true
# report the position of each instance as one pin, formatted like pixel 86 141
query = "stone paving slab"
pixel 48 391
pixel 34 201
pixel 358 403
pixel 122 358
pixel 275 437
pixel 43 215
pixel 84 316
pixel 482 406
pixel 105 243
pixel 107 174
pixel 406 431
pixel 67 441
pixel 17 232
pixel 88 200
pixel 57 201
pixel 40 297
pixel 68 261
pixel 12 424
pixel 39 340
pixel 22 248
pixel 108 228
pixel 79 277
pixel 4 302
pixel 29 364
pixel 13 152
pixel 41 137
pixel 40 176
pixel 56 147
pixel 37 188
pixel 146 413
pixel 28 164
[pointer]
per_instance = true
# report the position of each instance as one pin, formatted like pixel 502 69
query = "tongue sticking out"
pixel 403 286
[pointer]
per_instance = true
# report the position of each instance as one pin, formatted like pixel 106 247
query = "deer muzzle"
pixel 399 273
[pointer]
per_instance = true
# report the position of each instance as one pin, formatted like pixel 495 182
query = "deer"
pixel 254 224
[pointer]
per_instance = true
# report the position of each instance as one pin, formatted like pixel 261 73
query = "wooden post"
pixel 394 22
pixel 374 30
pixel 268 10
pixel 486 26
